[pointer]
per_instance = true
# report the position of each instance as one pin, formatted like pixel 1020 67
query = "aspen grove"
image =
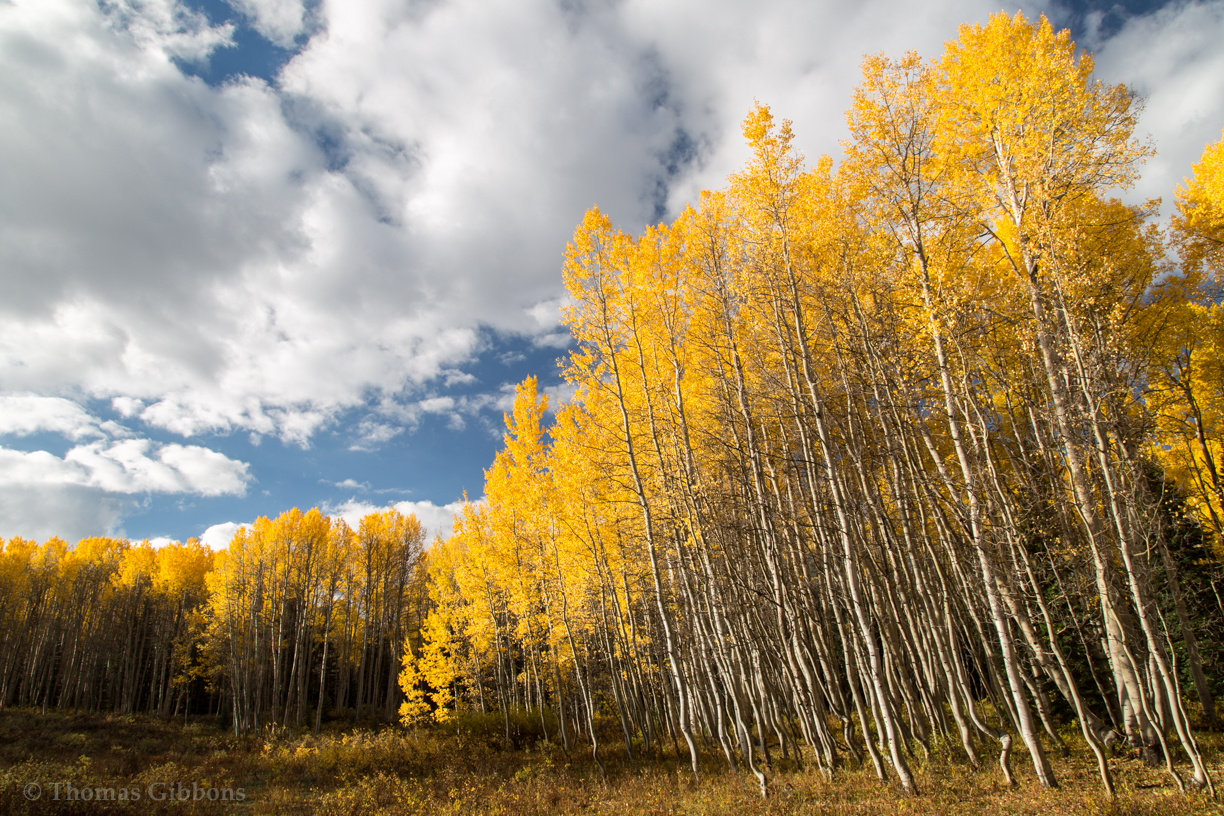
pixel 918 449
pixel 298 613
pixel 916 452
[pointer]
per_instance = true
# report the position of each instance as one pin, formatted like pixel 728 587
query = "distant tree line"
pixel 299 616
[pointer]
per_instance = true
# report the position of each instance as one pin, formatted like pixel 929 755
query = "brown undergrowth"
pixel 467 770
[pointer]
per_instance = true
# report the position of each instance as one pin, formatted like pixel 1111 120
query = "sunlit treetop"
pixel 1198 224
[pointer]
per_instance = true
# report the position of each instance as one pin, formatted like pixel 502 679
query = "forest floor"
pixel 70 763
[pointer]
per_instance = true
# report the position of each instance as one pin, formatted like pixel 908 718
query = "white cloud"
pixel 557 340
pixel 170 27
pixel 126 467
pixel 127 406
pixel 278 20
pixel 193 255
pixel 22 469
pixel 560 395
pixel 267 259
pixel 437 405
pixel 40 510
pixel 351 511
pixel 89 489
pixel 22 415
pixel 1174 59
pixel 219 536
pixel 371 434
pixel 203 472
pixel 183 249
pixel 436 519
pixel 547 313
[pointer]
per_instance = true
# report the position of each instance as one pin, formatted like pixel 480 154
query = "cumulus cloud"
pixel 170 27
pixel 22 415
pixel 280 21
pixel 128 466
pixel 267 258
pixel 219 536
pixel 560 395
pixel 185 246
pixel 39 511
pixel 89 489
pixel 1172 57
pixel 437 405
pixel 371 434
pixel 436 519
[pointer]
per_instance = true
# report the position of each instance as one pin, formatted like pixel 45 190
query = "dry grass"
pixel 389 771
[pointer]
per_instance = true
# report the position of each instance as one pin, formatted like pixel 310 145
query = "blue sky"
pixel 258 254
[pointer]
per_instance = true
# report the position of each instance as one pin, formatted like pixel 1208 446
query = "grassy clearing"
pixel 389 771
